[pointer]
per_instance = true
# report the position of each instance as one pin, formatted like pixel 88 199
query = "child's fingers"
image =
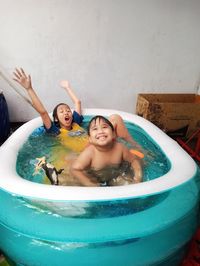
pixel 16 80
pixel 18 72
pixel 16 75
pixel 22 71
pixel 64 83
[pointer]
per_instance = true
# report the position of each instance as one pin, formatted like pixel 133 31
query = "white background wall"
pixel 110 50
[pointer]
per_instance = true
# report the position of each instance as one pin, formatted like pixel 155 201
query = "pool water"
pixel 155 163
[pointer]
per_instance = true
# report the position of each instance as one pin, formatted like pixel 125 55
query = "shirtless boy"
pixel 104 151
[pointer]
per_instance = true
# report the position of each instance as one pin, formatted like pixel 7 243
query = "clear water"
pixel 155 163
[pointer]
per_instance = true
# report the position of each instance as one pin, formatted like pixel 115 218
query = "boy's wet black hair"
pixel 100 117
pixel 55 115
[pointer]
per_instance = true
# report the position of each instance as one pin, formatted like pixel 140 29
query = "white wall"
pixel 110 50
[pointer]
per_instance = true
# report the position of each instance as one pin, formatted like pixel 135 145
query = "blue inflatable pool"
pixel 142 224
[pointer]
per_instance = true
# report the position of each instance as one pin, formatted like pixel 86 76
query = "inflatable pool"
pixel 142 224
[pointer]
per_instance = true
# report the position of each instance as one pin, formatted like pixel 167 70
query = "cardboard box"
pixel 176 114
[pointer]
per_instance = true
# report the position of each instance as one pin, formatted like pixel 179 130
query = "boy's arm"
pixel 25 81
pixel 80 165
pixel 135 164
pixel 77 103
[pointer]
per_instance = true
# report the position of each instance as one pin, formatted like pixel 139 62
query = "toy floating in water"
pixel 137 153
pixel 49 169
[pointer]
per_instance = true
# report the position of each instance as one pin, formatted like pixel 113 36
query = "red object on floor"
pixel 193 256
pixel 194 152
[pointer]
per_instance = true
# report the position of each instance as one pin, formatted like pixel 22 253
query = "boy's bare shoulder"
pixel 89 149
pixel 120 145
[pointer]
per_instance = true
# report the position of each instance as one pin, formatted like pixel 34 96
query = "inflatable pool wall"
pixel 143 224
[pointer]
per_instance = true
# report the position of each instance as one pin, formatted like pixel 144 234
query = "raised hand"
pixel 23 79
pixel 65 84
pixel 77 103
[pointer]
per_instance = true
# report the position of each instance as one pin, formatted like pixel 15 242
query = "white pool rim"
pixel 183 167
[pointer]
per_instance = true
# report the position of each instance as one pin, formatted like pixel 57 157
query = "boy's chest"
pixel 101 160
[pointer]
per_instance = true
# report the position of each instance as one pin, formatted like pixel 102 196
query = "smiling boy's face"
pixel 101 134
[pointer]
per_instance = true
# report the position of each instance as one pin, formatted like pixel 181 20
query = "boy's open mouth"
pixel 101 137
